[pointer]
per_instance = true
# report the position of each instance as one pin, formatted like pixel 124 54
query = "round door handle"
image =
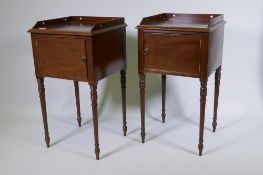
pixel 145 51
pixel 84 59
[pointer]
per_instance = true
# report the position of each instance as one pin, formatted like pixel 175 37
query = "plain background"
pixel 170 148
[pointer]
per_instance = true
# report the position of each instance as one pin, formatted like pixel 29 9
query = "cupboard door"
pixel 61 57
pixel 172 53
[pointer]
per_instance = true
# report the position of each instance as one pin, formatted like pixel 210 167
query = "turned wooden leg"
pixel 94 104
pixel 76 85
pixel 217 84
pixel 203 93
pixel 123 92
pixel 163 97
pixel 41 90
pixel 142 99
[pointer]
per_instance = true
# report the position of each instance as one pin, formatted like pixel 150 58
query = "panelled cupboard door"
pixel 172 53
pixel 61 57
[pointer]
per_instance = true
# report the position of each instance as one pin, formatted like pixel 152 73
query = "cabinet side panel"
pixel 216 39
pixel 109 53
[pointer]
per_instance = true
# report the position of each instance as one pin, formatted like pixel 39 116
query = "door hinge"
pixel 200 43
pixel 199 66
pixel 36 42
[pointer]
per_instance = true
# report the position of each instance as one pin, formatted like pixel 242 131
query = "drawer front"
pixel 172 53
pixel 61 57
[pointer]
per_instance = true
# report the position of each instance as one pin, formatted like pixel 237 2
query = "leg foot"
pixel 200 148
pixel 142 100
pixel 47 139
pixel 143 135
pixel 97 152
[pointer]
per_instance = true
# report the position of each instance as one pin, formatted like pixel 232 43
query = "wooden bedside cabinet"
pixel 189 45
pixel 84 49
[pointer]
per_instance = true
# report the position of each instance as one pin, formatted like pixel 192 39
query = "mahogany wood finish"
pixel 189 45
pixel 80 48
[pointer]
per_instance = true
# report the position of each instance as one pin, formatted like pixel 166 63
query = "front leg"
pixel 123 92
pixel 142 99
pixel 203 93
pixel 94 104
pixel 41 90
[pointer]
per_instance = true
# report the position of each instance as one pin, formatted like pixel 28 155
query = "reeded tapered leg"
pixel 94 104
pixel 163 97
pixel 203 93
pixel 123 92
pixel 41 90
pixel 76 85
pixel 142 99
pixel 217 84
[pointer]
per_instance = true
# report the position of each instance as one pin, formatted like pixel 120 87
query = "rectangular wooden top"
pixel 78 25
pixel 182 22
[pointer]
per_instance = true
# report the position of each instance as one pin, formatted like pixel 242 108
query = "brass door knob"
pixel 84 59
pixel 145 51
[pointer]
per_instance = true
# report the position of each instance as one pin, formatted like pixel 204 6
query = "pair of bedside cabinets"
pixel 88 49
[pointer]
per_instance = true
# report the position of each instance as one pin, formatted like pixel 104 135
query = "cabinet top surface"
pixel 78 25
pixel 182 22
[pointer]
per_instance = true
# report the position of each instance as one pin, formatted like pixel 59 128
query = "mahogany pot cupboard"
pixel 188 45
pixel 80 48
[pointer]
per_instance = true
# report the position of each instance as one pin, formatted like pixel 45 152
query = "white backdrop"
pixel 235 148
